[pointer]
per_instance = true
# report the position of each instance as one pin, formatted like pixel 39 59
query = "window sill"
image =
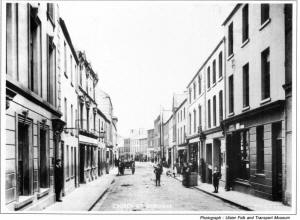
pixel 208 89
pixel 72 84
pixel 214 84
pixel 246 108
pixel 68 179
pixel 231 114
pixel 43 192
pixel 220 78
pixel 245 43
pixel 264 101
pixel 260 175
pixel 265 24
pixel 230 56
pixel 23 201
pixel 65 73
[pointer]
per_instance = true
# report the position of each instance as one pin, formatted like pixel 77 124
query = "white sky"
pixel 144 52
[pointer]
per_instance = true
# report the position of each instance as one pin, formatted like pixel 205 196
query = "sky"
pixel 144 52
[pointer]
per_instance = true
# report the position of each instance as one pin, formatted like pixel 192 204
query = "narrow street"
pixel 138 193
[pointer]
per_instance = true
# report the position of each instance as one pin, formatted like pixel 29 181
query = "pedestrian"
pixel 158 172
pixel 58 179
pixel 117 162
pixel 186 174
pixel 216 177
pixel 174 170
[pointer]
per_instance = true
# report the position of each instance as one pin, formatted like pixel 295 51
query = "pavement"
pixel 84 197
pixel 243 200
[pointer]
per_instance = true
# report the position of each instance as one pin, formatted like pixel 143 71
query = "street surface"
pixel 138 193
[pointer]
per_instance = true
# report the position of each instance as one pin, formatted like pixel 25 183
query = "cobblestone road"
pixel 138 193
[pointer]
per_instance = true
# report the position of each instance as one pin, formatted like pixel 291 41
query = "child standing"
pixel 216 177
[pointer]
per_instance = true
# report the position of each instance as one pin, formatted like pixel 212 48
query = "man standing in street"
pixel 158 171
pixel 58 172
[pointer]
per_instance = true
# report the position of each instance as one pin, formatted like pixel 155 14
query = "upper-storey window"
pixel 246 85
pixel 220 105
pixel 230 39
pixel 51 88
pixel 65 59
pixel 190 95
pixel 245 23
pixel 50 11
pixel 214 111
pixel 71 69
pixel 35 63
pixel 265 74
pixel 208 77
pixel 265 12
pixel 195 124
pixel 220 64
pixel 199 84
pixel 183 113
pixel 208 114
pixel 194 87
pixel 231 97
pixel 214 72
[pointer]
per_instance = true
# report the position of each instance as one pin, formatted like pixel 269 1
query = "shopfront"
pixel 255 146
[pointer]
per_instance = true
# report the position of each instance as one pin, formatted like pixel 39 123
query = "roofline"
pixel 181 104
pixel 68 38
pixel 168 119
pixel 101 113
pixel 231 13
pixel 207 59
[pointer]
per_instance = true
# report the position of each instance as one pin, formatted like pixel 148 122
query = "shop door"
pixel 277 164
pixel 23 177
pixel 209 163
pixel 44 175
pixel 81 163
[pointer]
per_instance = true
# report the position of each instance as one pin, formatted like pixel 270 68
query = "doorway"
pixel 81 164
pixel 24 175
pixel 44 174
pixel 209 163
pixel 277 161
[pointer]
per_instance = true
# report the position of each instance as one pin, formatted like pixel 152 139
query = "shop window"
pixel 245 23
pixel 265 12
pixel 260 149
pixel 244 155
pixel 265 74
